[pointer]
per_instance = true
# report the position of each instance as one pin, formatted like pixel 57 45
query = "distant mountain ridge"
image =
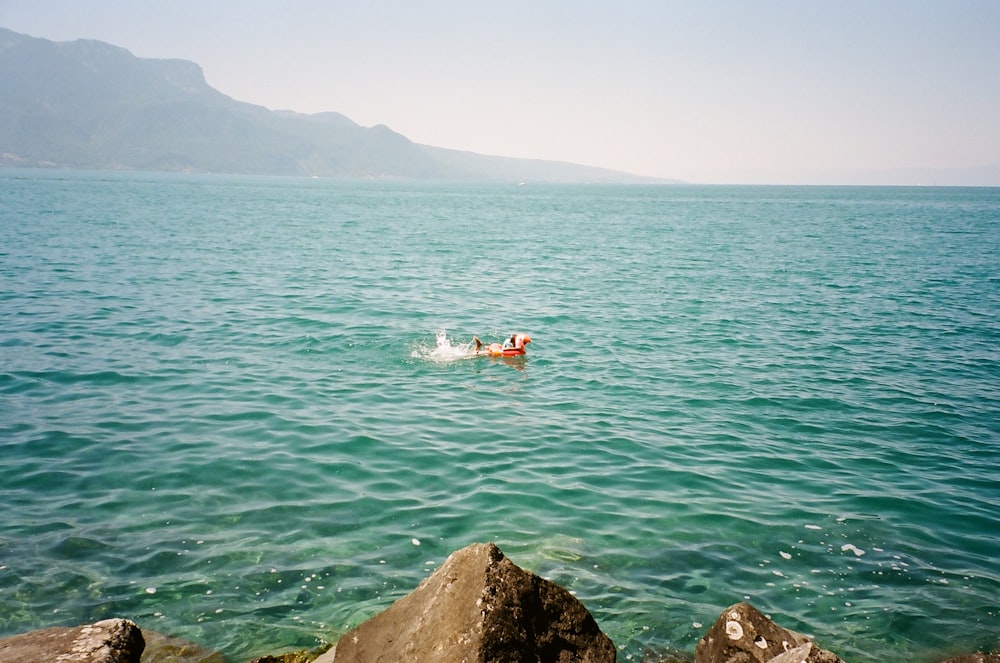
pixel 91 105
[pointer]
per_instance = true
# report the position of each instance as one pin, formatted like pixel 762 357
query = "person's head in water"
pixel 517 341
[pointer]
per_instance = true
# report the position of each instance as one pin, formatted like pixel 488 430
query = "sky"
pixel 704 91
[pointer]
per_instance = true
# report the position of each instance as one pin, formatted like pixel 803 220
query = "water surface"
pixel 224 412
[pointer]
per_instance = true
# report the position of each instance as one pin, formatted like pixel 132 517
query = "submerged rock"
pixel 292 657
pixel 107 641
pixel 303 656
pixel 743 635
pixel 162 648
pixel 479 607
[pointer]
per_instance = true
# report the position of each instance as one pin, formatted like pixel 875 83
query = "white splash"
pixel 444 350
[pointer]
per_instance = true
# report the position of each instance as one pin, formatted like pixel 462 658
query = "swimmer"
pixel 515 344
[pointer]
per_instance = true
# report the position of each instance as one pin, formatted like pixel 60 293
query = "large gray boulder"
pixel 743 635
pixel 107 641
pixel 479 607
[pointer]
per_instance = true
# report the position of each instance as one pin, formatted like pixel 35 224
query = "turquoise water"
pixel 236 410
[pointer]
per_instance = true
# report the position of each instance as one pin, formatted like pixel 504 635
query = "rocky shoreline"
pixel 477 607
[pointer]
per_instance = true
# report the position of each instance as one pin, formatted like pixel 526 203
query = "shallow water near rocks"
pixel 240 410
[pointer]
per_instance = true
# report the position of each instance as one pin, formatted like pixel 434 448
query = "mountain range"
pixel 90 105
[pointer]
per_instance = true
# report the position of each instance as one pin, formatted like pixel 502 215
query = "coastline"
pixel 478 604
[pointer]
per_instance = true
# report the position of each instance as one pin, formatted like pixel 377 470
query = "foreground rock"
pixel 108 641
pixel 479 607
pixel 743 635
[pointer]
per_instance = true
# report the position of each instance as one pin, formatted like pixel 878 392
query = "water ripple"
pixel 231 403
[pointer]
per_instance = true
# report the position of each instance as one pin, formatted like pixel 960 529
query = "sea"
pixel 243 411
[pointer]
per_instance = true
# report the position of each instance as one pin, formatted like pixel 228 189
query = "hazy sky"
pixel 740 91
